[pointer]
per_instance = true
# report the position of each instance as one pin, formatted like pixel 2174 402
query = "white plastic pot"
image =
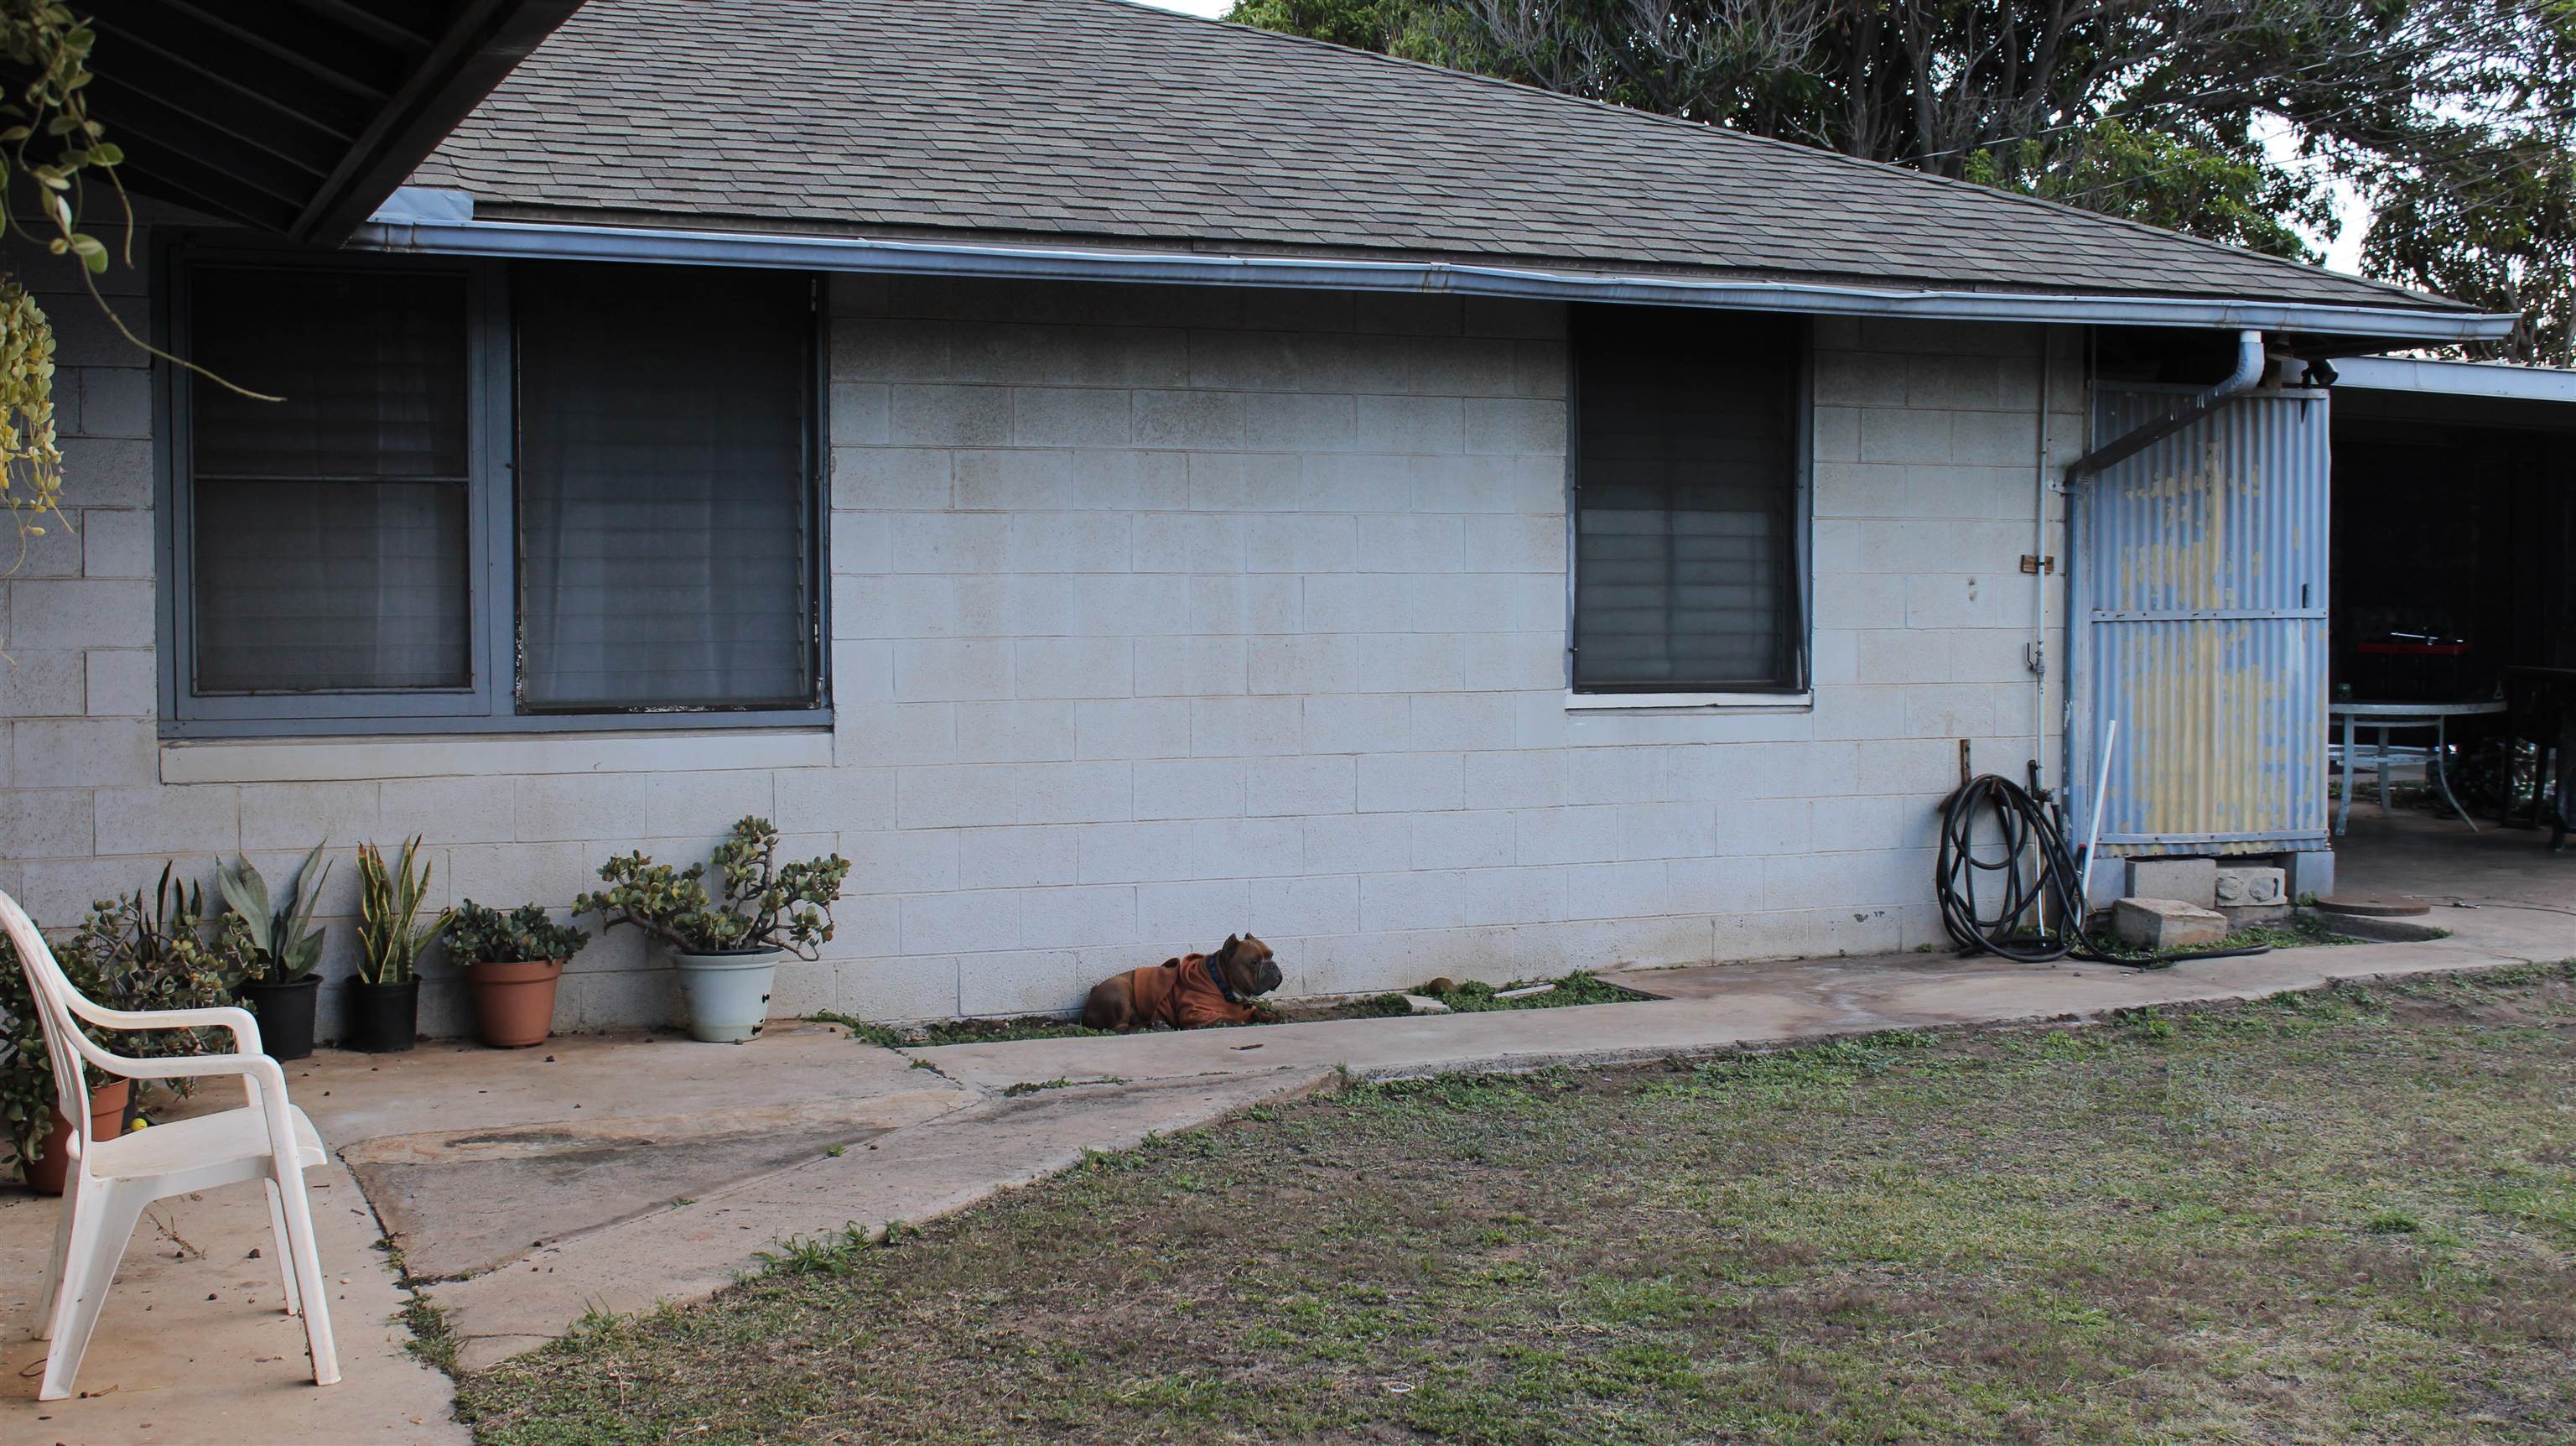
pixel 727 994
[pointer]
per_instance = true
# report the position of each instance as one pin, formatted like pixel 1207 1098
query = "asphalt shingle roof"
pixel 1110 122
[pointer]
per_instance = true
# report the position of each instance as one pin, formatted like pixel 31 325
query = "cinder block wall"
pixel 1160 614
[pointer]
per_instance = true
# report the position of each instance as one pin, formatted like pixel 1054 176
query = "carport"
pixel 2454 526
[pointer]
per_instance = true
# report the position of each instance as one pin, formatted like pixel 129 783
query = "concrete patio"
pixel 521 1189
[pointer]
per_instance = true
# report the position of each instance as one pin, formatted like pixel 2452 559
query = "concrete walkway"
pixel 524 1188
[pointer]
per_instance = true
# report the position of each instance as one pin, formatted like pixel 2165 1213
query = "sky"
pixel 2343 253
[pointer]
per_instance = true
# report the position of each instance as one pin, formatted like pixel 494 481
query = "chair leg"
pixel 99 1238
pixel 61 1258
pixel 285 1248
pixel 307 1258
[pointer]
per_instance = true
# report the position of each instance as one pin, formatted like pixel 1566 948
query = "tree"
pixel 2450 116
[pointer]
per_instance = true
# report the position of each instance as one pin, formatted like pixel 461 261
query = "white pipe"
pixel 2249 370
pixel 2093 811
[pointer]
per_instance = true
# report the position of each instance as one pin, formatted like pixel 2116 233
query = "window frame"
pixel 1798 691
pixel 490 704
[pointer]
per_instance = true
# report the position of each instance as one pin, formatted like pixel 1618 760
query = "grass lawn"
pixel 2334 1217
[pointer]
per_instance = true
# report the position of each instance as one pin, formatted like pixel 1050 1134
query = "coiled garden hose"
pixel 2020 892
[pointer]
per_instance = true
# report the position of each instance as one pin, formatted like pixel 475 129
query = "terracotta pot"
pixel 514 1004
pixel 106 1121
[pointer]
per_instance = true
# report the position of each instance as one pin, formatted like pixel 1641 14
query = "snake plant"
pixel 391 936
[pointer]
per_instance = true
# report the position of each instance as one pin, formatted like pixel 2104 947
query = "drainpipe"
pixel 2037 654
pixel 2249 370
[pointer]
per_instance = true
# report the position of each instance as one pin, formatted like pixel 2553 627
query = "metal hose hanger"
pixel 2019 892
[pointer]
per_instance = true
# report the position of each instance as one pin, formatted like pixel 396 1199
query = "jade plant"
pixel 479 935
pixel 131 953
pixel 27 1071
pixel 391 935
pixel 284 947
pixel 758 903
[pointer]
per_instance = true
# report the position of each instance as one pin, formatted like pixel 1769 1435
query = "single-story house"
pixel 1123 479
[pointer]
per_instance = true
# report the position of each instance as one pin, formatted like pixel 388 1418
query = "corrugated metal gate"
pixel 2203 566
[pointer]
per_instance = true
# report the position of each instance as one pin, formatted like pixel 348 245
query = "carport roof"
pixel 1107 125
pixel 295 116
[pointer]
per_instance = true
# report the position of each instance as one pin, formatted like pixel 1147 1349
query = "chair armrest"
pixel 243 1025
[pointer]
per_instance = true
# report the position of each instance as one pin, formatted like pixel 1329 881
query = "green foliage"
pixel 759 903
pixel 31 458
pixel 478 935
pixel 27 1072
pixel 48 137
pixel 47 140
pixel 2234 120
pixel 390 933
pixel 283 945
pixel 131 953
pixel 164 954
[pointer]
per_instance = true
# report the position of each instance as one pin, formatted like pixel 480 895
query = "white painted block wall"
pixel 1157 615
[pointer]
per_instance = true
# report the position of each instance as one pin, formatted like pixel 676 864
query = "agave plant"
pixel 391 935
pixel 284 947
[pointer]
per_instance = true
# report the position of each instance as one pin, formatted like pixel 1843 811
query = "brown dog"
pixel 1191 992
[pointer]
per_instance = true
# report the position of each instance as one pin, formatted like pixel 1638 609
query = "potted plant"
pixel 725 946
pixel 126 955
pixel 28 1106
pixel 384 1000
pixel 278 982
pixel 512 964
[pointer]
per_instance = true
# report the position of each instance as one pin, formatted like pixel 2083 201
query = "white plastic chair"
pixel 110 1181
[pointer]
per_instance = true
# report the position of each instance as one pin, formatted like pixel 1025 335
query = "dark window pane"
pixel 322 559
pixel 1686 528
pixel 664 529
pixel 330 585
pixel 371 366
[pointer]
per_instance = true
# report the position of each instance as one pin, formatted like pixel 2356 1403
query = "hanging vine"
pixel 47 140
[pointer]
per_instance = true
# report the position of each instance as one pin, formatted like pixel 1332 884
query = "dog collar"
pixel 1218 979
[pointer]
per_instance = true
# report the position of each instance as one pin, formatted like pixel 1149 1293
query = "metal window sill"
pixel 348 759
pixel 1689 702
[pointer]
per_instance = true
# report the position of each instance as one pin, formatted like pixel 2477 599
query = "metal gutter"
pixel 414 222
pixel 2456 379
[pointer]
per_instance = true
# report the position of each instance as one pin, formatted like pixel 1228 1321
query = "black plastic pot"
pixel 285 1015
pixel 384 1018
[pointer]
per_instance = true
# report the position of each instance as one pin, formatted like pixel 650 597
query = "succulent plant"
pixel 284 947
pixel 760 903
pixel 390 933
pixel 479 935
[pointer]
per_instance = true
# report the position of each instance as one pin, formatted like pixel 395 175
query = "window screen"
pixel 329 534
pixel 1686 529
pixel 665 529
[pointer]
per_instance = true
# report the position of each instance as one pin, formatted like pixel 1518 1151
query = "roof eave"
pixel 481 45
pixel 435 222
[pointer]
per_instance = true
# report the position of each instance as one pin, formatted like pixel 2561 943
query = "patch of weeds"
pixel 831 1255
pixel 433 1341
pixel 1579 987
pixel 835 1151
pixel 1030 1087
pixel 2302 932
pixel 2393 1222
pixel 959 1031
